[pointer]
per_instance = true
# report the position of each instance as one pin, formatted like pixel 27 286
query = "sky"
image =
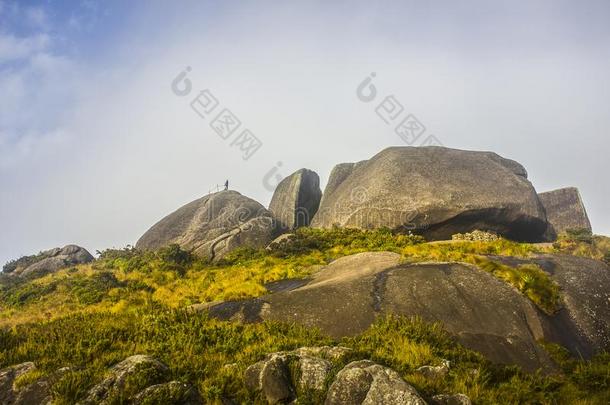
pixel 99 136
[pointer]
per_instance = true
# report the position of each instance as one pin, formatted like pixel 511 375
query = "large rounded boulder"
pixel 434 191
pixel 296 199
pixel 483 312
pixel 212 226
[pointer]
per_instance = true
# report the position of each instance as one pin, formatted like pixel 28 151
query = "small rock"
pixel 435 371
pixel 171 393
pixel 456 399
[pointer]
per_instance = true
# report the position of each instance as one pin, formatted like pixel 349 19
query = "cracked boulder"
pixel 296 200
pixel 213 226
pixel 285 376
pixel 364 382
pixel 483 312
pixel 434 191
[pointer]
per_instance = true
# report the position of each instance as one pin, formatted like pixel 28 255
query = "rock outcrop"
pixel 564 210
pixel 296 200
pixel 212 226
pixel 51 260
pixel 483 312
pixel 434 191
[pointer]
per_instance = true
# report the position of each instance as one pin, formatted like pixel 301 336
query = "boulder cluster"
pixel 306 375
pixel 433 191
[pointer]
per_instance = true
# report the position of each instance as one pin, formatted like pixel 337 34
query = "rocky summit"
pixel 212 226
pixel 416 282
pixel 436 192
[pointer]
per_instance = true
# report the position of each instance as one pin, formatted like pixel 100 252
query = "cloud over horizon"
pixel 95 147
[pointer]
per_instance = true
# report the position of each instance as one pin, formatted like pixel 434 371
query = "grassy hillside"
pixel 130 302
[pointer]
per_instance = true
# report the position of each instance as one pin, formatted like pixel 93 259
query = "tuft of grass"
pixel 529 279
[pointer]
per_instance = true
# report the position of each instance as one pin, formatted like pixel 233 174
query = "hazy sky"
pixel 95 147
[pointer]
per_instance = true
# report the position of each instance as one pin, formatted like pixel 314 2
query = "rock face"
pixel 296 199
pixel 53 260
pixel 434 191
pixel 564 210
pixel 364 382
pixel 483 312
pixel 212 226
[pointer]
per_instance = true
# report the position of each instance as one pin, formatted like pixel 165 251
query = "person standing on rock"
pixel 226 185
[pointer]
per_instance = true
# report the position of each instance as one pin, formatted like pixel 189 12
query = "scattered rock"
pixel 435 372
pixel 280 240
pixel 296 200
pixel 171 393
pixel 364 382
pixel 128 378
pixel 434 191
pixel 456 399
pixel 213 226
pixel 564 210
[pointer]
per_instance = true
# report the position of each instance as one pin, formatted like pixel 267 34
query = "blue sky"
pixel 95 147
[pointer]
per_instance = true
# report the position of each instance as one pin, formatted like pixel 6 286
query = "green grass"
pixel 127 302
pixel 198 350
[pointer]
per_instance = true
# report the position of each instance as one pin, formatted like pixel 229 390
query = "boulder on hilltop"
pixel 48 261
pixel 296 199
pixel 434 191
pixel 212 226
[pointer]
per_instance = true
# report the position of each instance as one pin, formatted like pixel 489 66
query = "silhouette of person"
pixel 226 185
